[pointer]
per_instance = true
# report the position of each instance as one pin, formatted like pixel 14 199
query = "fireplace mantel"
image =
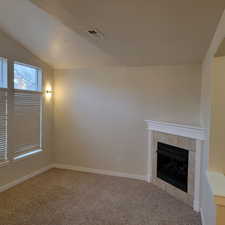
pixel 177 129
pixel 196 133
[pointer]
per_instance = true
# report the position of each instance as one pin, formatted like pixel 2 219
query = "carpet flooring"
pixel 64 197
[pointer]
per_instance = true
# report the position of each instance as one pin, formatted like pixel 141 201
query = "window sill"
pixel 2 164
pixel 28 154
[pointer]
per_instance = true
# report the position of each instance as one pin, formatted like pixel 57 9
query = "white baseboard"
pixel 99 171
pixel 69 167
pixel 202 217
pixel 24 178
pixel 196 206
pixel 149 178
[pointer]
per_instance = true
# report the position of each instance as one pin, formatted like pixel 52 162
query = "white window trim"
pixel 9 81
pixel 28 91
pixel 4 69
pixel 4 88
pixel 39 76
pixel 39 91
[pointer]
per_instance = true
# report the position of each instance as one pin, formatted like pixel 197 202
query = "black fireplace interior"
pixel 172 165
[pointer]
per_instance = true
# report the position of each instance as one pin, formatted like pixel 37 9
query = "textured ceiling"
pixel 137 32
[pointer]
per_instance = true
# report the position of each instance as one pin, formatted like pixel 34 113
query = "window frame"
pixel 5 88
pixel 4 70
pixel 39 77
pixel 8 68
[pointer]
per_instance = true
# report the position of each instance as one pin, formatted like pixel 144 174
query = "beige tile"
pixel 159 183
pixel 175 192
pixel 186 143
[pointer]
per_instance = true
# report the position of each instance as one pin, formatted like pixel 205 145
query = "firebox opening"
pixel 172 165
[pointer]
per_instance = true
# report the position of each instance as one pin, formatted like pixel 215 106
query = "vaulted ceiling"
pixel 136 32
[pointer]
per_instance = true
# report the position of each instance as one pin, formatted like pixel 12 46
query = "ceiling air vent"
pixel 96 34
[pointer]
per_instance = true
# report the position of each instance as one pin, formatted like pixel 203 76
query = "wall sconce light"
pixel 49 92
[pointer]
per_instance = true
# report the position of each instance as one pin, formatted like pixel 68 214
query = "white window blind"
pixel 3 125
pixel 27 118
pixel 27 97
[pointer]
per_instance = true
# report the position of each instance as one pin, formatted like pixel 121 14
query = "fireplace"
pixel 172 165
pixel 174 159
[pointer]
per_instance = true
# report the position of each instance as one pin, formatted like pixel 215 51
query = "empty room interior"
pixel 112 112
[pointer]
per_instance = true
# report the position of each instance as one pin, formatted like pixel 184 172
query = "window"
pixel 3 73
pixel 3 110
pixel 27 77
pixel 25 101
pixel 27 109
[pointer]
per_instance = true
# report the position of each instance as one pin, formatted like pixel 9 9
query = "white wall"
pixel 13 51
pixel 100 113
pixel 208 207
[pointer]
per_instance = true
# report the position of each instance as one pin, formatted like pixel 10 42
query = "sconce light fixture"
pixel 49 92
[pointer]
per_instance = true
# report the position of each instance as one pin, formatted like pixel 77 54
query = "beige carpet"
pixel 63 197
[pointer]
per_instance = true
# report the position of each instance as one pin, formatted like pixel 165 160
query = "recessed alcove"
pixel 216 170
pixel 217 131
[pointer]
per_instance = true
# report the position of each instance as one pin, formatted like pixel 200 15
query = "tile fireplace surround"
pixel 182 136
